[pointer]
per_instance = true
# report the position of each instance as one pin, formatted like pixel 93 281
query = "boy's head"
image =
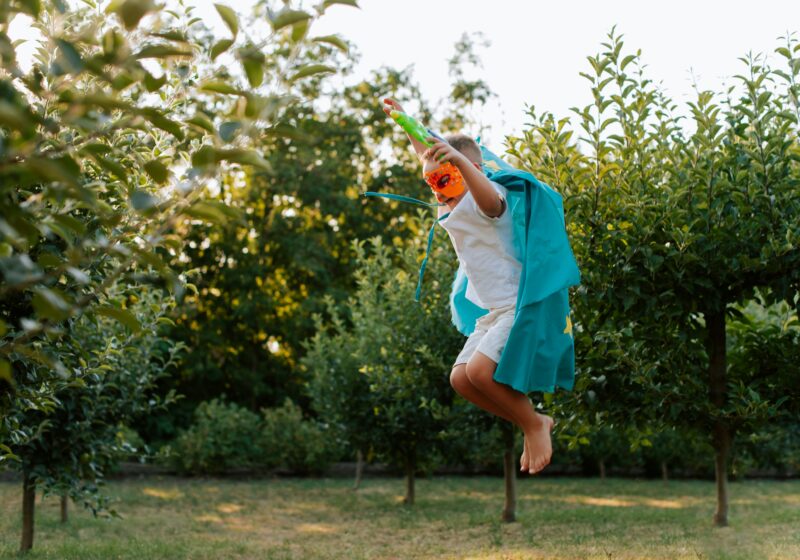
pixel 467 146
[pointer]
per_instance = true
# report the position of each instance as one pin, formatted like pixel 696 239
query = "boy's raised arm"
pixel 392 105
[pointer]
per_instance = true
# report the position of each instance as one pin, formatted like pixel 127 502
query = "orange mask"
pixel 446 179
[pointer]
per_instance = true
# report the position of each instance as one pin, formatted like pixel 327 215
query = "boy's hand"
pixel 391 105
pixel 442 151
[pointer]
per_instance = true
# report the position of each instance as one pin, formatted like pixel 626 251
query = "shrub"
pixel 290 441
pixel 223 436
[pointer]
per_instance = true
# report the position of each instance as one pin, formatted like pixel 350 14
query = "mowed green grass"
pixel 454 517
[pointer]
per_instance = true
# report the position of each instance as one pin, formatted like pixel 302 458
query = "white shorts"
pixel 490 335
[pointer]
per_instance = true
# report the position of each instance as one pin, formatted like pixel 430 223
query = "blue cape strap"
pixel 425 260
pixel 401 198
pixel 430 232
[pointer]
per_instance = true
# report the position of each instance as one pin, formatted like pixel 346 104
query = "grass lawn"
pixel 454 517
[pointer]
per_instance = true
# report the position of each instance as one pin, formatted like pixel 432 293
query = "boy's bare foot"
pixel 524 464
pixel 541 448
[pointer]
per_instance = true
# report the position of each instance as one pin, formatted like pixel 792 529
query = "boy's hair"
pixel 466 145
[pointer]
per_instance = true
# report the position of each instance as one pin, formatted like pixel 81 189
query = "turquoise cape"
pixel 540 352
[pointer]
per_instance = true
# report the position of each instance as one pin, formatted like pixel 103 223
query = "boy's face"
pixel 451 201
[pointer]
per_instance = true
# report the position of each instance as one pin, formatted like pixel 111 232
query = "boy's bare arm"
pixel 389 105
pixel 485 195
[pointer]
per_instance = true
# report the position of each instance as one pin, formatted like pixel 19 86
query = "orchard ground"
pixel 454 518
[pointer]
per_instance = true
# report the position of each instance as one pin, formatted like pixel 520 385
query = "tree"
pixel 114 369
pixel 386 359
pixel 106 145
pixel 673 228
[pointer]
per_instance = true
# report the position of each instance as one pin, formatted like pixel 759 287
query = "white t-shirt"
pixel 485 248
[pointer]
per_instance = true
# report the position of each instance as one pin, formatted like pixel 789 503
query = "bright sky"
pixel 538 48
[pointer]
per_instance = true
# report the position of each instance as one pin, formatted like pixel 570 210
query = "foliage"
pixel 224 436
pixel 290 441
pixel 114 370
pixel 398 350
pixel 107 146
pixel 672 227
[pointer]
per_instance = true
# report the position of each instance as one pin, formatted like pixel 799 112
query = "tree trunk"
pixel 411 467
pixel 721 431
pixel 601 464
pixel 359 469
pixel 64 508
pixel 664 472
pixel 28 503
pixel 510 474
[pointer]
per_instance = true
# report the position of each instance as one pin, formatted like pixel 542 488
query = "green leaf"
pixel 299 30
pixel 310 70
pixel 245 157
pixel 151 259
pixel 254 70
pixel 71 58
pixel 229 16
pixel 289 17
pixel 5 375
pixel 334 40
pixel 122 80
pixel 33 7
pixel 172 35
pixel 61 169
pixel 329 3
pixel 112 166
pixel 288 131
pixel 207 155
pixel 70 222
pixel 162 122
pixel 204 156
pixel 201 121
pixel 220 87
pixel 142 201
pixel 220 47
pixel 50 303
pixel 3 328
pixel 96 148
pixel 157 170
pixel 152 83
pixel 162 51
pixel 208 211
pixel 78 275
pixel 131 11
pixel 96 99
pixel 228 130
pixel 16 118
pixel 114 46
pixel 124 316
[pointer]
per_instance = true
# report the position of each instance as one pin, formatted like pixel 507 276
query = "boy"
pixel 480 228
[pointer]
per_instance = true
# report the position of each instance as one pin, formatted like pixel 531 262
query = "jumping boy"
pixel 480 227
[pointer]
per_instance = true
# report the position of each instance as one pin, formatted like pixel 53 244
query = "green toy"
pixel 414 128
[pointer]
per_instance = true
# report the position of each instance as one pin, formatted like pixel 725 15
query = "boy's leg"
pixel 464 387
pixel 536 427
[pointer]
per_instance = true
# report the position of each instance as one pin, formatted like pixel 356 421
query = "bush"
pixel 303 446
pixel 224 435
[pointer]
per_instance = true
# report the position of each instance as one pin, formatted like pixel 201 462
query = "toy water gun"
pixel 414 128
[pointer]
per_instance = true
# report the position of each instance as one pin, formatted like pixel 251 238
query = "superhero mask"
pixel 446 179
